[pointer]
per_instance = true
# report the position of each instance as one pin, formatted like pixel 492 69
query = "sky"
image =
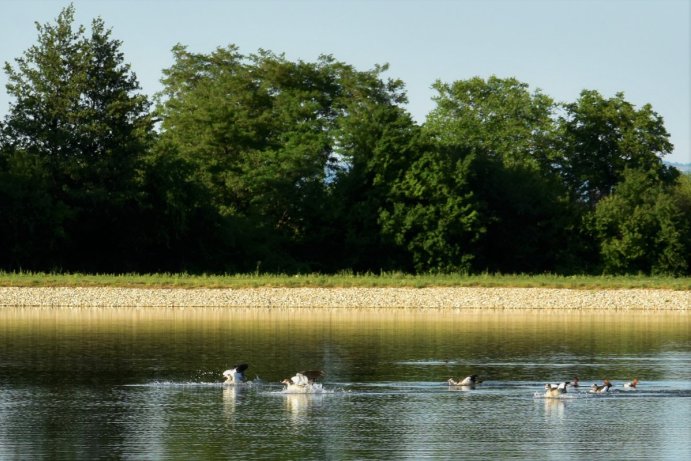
pixel 639 47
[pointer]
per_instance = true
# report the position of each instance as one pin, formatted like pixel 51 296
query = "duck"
pixel 471 380
pixel 600 389
pixel 631 384
pixel 556 390
pixel 236 375
pixel 303 380
pixel 575 382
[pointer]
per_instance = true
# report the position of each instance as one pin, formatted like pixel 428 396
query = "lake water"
pixel 147 384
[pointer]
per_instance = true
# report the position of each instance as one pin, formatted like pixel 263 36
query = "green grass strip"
pixel 342 280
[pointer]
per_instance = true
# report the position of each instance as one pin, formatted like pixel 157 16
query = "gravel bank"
pixel 437 298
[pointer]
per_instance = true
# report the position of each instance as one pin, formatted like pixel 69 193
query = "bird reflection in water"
pixel 231 396
pixel 555 408
pixel 299 406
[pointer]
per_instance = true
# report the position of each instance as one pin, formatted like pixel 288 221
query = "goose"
pixel 471 380
pixel 632 384
pixel 236 375
pixel 597 389
pixel 304 381
pixel 555 390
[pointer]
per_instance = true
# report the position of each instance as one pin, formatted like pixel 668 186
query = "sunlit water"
pixel 147 384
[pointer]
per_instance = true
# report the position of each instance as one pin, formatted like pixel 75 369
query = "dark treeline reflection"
pixel 257 163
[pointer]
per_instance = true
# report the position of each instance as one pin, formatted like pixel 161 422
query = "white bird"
pixel 555 390
pixel 304 378
pixel 471 380
pixel 600 389
pixel 304 381
pixel 236 375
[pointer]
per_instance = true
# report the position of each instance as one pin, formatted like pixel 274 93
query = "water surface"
pixel 147 384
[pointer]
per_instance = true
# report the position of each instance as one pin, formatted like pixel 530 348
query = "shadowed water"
pixel 147 384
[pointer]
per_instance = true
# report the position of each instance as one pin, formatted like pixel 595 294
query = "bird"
pixel 304 378
pixel 600 389
pixel 631 384
pixel 236 375
pixel 555 390
pixel 471 380
pixel 575 382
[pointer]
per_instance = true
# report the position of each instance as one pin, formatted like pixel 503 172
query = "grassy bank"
pixel 31 279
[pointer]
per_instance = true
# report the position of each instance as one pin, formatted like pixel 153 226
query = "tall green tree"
pixel 178 228
pixel 376 139
pixel 485 194
pixel 275 142
pixel 643 227
pixel 76 109
pixel 602 137
pixel 499 116
pixel 435 215
pixel 255 130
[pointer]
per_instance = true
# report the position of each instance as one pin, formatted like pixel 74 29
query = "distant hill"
pixel 685 167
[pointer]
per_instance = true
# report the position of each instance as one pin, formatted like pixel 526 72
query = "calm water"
pixel 147 384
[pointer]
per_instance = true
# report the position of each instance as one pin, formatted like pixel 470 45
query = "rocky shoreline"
pixel 424 298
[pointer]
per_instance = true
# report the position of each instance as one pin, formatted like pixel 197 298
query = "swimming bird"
pixel 471 380
pixel 600 389
pixel 555 390
pixel 236 375
pixel 631 384
pixel 304 381
pixel 575 382
pixel 303 378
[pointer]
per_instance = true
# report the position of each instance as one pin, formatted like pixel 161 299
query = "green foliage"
pixel 76 114
pixel 263 164
pixel 340 280
pixel 484 194
pixel 377 142
pixel 30 219
pixel 601 138
pixel 497 116
pixel 642 227
pixel 435 214
pixel 271 139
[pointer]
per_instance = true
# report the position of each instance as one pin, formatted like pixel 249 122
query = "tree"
pixel 643 227
pixel 30 220
pixel 435 214
pixel 255 131
pixel 275 142
pixel 484 194
pixel 498 116
pixel 376 139
pixel 76 111
pixel 601 138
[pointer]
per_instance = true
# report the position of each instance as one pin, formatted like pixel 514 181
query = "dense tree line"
pixel 258 163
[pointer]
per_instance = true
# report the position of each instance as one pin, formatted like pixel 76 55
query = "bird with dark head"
pixel 469 381
pixel 236 375
pixel 631 384
pixel 600 389
pixel 555 390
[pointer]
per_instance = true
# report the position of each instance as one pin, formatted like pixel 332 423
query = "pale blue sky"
pixel 640 47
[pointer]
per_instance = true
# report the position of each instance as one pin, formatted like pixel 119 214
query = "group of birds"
pixel 308 380
pixel 302 381
pixel 556 390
